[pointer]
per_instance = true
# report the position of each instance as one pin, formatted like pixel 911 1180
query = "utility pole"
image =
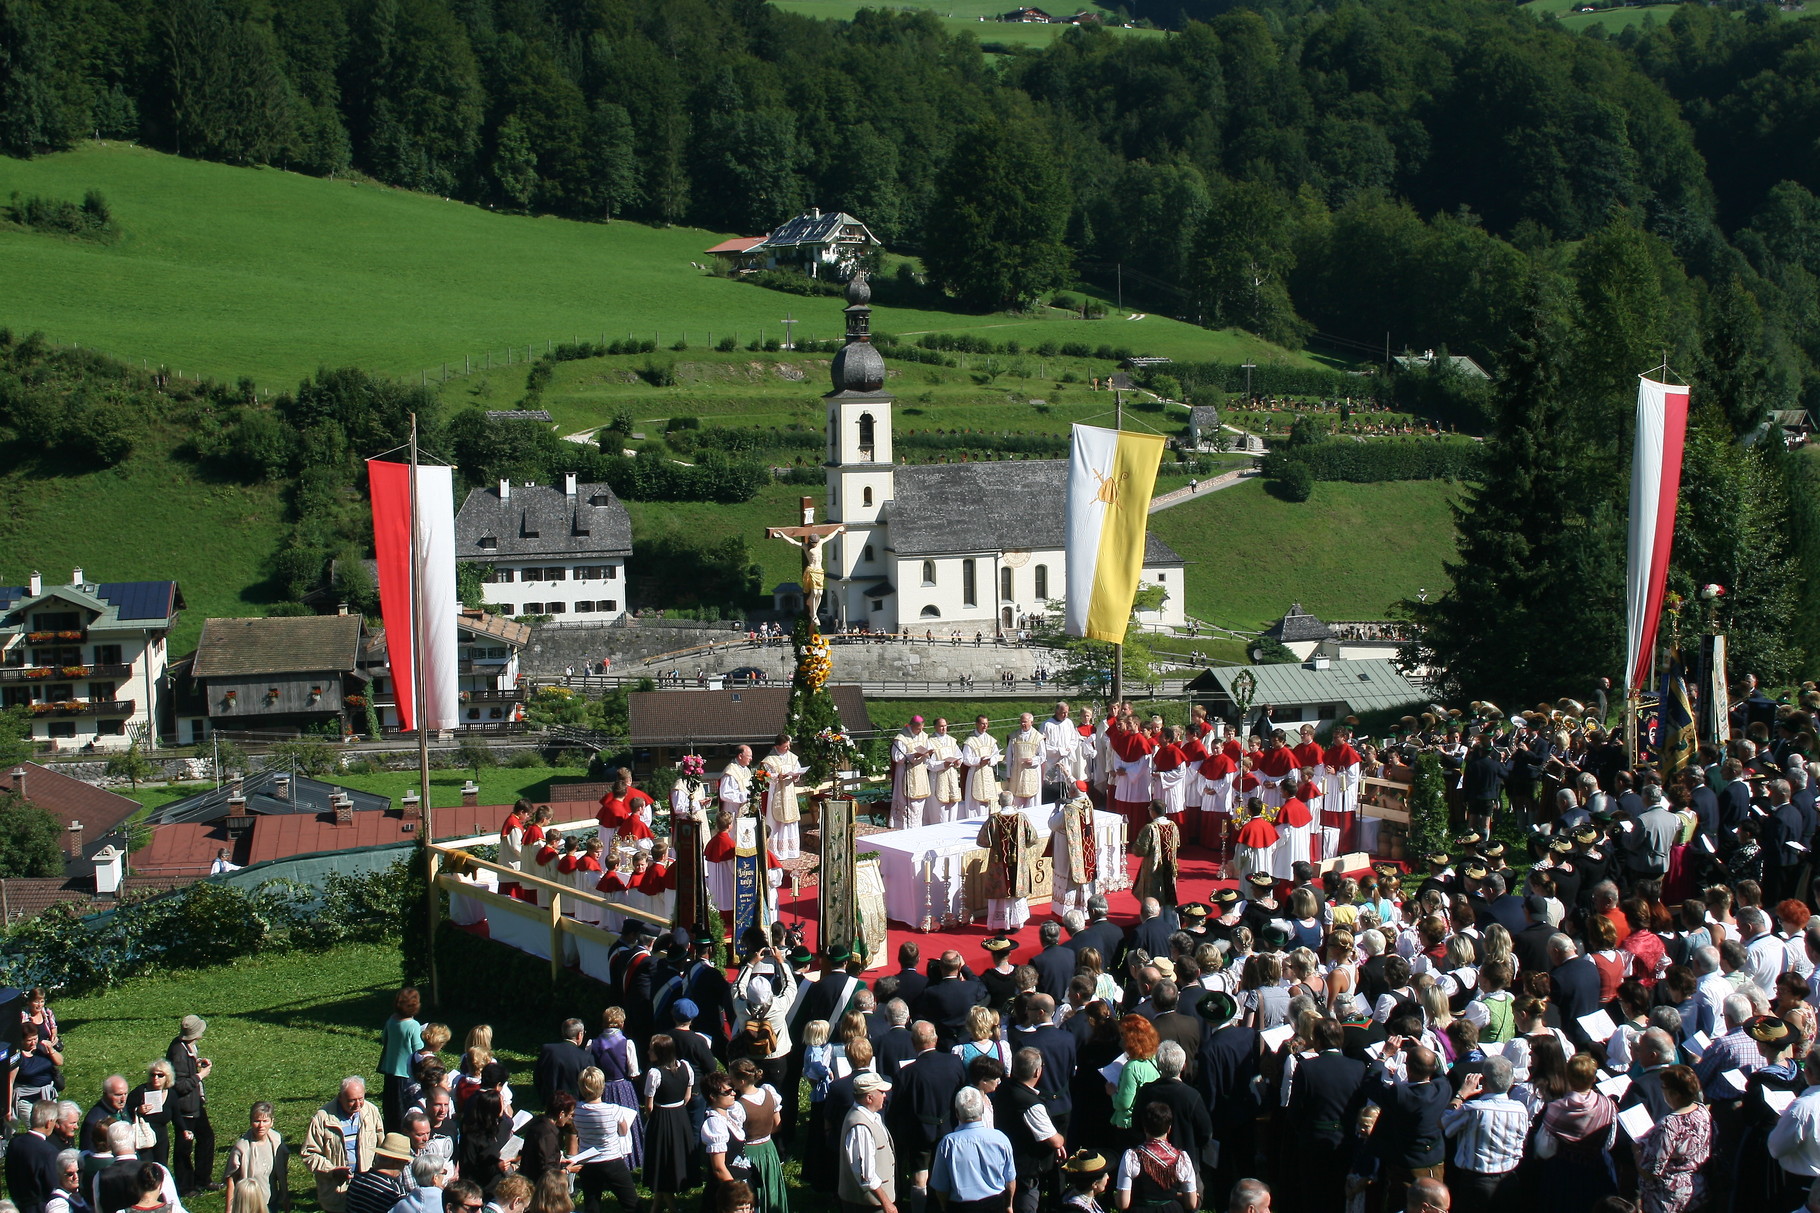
pixel 1249 367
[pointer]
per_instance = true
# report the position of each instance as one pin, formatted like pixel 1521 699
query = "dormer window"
pixel 489 543
pixel 599 499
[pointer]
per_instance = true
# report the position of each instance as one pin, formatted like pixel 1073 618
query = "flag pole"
pixel 1118 650
pixel 423 738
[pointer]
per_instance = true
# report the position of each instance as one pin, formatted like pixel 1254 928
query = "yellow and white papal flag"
pixel 1111 474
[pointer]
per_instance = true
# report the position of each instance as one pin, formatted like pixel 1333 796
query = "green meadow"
pixel 224 272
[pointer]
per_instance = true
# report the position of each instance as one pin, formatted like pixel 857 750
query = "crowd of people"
pixel 1600 999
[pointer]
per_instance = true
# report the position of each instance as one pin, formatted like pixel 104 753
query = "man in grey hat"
pixel 193 1138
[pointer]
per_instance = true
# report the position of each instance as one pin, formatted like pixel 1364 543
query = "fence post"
pixel 555 938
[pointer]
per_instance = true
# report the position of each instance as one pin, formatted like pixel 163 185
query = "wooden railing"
pixel 542 922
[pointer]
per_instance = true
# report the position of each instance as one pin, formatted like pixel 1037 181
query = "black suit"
pixel 922 1103
pixel 1646 1089
pixel 1193 1128
pixel 1576 992
pixel 706 986
pixel 1152 935
pixel 910 986
pixel 1059 1050
pixel 31 1172
pixel 1324 1101
pixel 1530 947
pixel 115 1186
pixel 1186 1030
pixel 946 1003
pixel 559 1067
pixel 1104 936
pixel 192 1159
pixel 891 1050
pixel 1054 970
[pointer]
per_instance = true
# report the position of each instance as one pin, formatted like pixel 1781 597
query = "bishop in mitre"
pixel 910 783
pixel 1077 858
pixel 1013 848
pixel 1024 764
pixel 944 761
pixel 980 755
pixel 781 811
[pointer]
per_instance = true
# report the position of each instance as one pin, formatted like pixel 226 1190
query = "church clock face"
pixel 1015 559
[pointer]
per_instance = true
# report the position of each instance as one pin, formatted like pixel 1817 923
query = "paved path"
pixel 1214 485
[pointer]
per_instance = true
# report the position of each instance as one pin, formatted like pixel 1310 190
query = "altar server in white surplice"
pixel 910 785
pixel 1024 764
pixel 1061 742
pixel 980 757
pixel 944 761
pixel 736 782
pixel 781 812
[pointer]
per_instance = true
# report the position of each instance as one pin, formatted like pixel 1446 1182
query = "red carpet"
pixel 1197 881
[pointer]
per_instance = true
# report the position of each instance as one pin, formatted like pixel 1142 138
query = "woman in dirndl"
pixel 617 1058
pixel 669 1141
pixel 723 1141
pixel 763 1107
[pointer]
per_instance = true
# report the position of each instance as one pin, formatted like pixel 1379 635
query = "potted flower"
pixel 231 698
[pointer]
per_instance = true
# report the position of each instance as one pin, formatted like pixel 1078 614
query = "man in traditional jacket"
pixel 1158 845
pixel 1024 763
pixel 944 775
pixel 786 771
pixel 1012 849
pixel 910 776
pixel 980 756
pixel 1077 873
pixel 736 782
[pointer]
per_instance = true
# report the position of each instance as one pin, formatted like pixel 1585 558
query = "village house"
pixel 280 677
pixel 548 550
pixel 821 245
pixel 89 660
pixel 487 650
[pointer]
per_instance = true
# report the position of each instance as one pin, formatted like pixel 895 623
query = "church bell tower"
pixel 858 463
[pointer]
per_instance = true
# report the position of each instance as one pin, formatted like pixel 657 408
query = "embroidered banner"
pixel 836 891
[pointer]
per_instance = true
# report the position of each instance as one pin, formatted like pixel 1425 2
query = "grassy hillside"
pixel 1611 20
pixel 230 271
pixel 151 518
pixel 1347 553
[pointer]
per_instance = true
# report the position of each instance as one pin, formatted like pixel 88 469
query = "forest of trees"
pixel 1454 174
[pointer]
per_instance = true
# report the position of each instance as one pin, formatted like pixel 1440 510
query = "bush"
pixel 526 760
pixel 1380 460
pixel 727 345
pixel 1294 482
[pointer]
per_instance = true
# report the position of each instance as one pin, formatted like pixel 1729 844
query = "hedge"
pixel 1274 379
pixel 1380 460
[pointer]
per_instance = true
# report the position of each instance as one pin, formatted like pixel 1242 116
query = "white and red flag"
pixel 417 580
pixel 1655 482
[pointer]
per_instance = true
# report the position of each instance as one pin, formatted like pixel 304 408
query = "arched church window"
pixel 866 497
pixel 931 612
pixel 865 437
pixel 928 572
pixel 969 583
pixel 1004 585
pixel 1042 582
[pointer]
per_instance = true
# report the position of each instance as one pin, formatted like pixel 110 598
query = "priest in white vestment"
pixel 736 782
pixel 781 811
pixel 980 755
pixel 1061 741
pixel 944 803
pixel 910 785
pixel 1024 764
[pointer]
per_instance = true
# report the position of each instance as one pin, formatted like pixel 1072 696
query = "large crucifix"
pixel 809 536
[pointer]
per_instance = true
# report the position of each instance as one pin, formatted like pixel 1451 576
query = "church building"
pixel 944 547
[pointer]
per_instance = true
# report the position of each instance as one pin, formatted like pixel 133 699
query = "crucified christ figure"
pixel 810 536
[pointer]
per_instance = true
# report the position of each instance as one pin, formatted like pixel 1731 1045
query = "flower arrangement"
pixel 75 671
pixel 231 698
pixel 48 637
pixel 815 662
pixel 355 701
pixel 760 788
pixel 693 766
pixel 38 671
pixel 829 751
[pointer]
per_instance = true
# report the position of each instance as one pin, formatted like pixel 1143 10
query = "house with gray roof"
pixel 821 245
pixel 88 660
pixel 944 547
pixel 1318 691
pixel 1299 632
pixel 282 677
pixel 557 550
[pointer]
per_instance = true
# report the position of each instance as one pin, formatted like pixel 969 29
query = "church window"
pixel 1042 581
pixel 866 497
pixel 866 557
pixel 866 429
pixel 970 594
pixel 1005 589
pixel 932 612
pixel 928 572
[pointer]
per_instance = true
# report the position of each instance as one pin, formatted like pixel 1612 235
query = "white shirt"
pixel 1795 1141
pixel 1061 738
pixel 1765 958
pixel 1186 1178
pixel 605 1127
pixel 861 1149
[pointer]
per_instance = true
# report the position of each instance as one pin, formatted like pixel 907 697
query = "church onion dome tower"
pixel 859 369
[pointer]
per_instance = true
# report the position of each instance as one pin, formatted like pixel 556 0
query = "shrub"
pixel 727 345
pixel 526 760
pixel 1294 481
pixel 1380 460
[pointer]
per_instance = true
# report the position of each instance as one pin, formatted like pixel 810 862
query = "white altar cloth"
pixel 925 886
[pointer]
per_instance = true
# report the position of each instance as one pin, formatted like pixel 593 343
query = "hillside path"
pixel 1225 481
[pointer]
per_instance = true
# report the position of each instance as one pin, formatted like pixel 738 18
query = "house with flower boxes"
pixel 280 677
pixel 89 660
pixel 488 679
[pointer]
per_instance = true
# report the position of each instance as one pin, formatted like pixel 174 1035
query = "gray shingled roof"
pixel 1297 625
pixel 541 520
pixel 987 507
pixel 813 227
pixel 231 648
